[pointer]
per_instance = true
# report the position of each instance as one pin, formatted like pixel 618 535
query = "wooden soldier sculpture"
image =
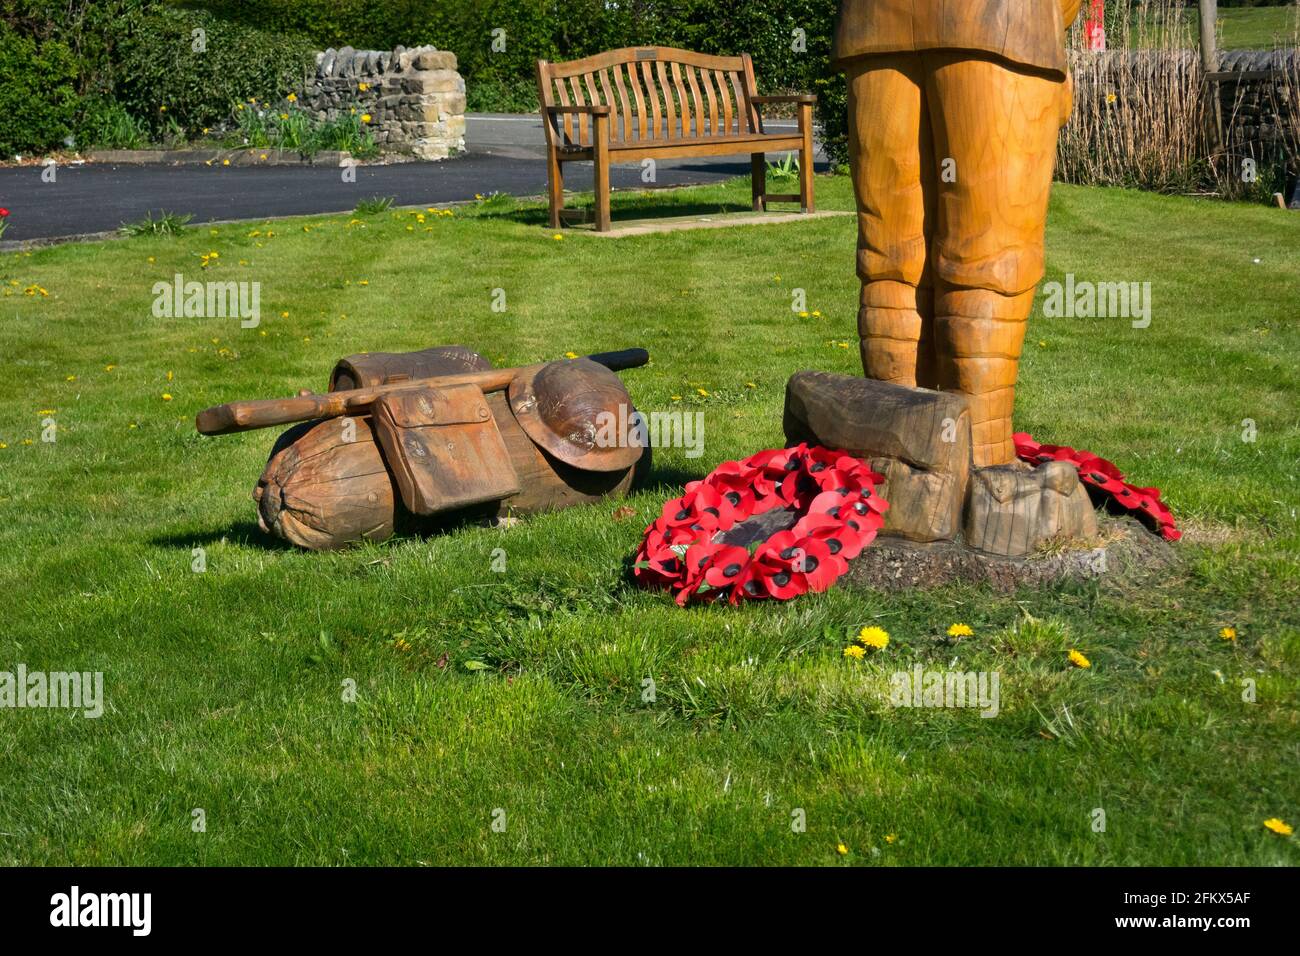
pixel 954 109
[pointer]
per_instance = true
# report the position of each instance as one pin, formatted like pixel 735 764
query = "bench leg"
pixel 555 186
pixel 806 200
pixel 600 137
pixel 758 180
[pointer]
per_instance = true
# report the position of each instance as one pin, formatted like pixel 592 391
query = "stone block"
pixel 434 60
pixel 919 439
pixel 1015 509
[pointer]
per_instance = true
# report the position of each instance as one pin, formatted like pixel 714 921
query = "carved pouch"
pixel 444 448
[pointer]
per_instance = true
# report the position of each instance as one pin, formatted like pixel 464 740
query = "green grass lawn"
pixel 1243 28
pixel 224 689
pixel 1254 27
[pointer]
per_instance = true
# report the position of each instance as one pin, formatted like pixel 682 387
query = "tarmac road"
pixel 503 153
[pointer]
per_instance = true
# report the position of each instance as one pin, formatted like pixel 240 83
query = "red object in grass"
pixel 839 514
pixel 1104 476
pixel 3 212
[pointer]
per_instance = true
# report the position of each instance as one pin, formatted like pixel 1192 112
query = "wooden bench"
pixel 638 103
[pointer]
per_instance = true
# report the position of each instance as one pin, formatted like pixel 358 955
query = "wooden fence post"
pixel 1210 64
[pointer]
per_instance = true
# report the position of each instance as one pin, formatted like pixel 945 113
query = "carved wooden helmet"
pixel 572 409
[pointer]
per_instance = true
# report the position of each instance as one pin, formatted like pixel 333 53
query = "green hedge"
pixel 129 68
pixel 38 97
pixel 162 78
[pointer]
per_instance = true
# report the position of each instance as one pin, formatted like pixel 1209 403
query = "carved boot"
pixel 978 337
pixel 896 333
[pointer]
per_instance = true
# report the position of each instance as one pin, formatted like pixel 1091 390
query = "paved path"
pixel 503 153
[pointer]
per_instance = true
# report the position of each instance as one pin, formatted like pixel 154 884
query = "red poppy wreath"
pixel 1097 472
pixel 830 497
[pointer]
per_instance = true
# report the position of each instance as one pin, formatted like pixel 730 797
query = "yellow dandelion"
pixel 855 651
pixel 71 378
pixel 817 314
pixel 170 376
pixel 150 260
pixel 292 97
pixel 803 315
pixel 362 87
pixel 703 393
pixel 960 630
pixel 365 117
pixel 557 237
pixel 1278 827
pixel 891 838
pixel 676 398
pixel 225 162
pixel 284 315
pixel 841 849
pixel 750 385
pixel 571 355
pixel 166 396
pixel 109 368
pixel 1228 633
pixel 873 636
pixel 1078 660
pixel 1110 97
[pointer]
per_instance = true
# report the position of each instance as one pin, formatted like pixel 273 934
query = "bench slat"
pixel 742 120
pixel 652 95
pixel 579 100
pixel 615 133
pixel 670 108
pixel 624 104
pixel 563 94
pixel 697 102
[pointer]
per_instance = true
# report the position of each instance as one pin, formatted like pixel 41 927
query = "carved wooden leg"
pixel 995 129
pixel 892 158
pixel 554 186
pixel 758 180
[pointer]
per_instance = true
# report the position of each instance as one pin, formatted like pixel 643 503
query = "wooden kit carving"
pixel 436 434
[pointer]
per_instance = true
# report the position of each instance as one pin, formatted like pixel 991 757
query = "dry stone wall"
pixel 415 98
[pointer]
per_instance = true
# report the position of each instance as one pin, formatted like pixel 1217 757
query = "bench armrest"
pixel 594 110
pixel 786 98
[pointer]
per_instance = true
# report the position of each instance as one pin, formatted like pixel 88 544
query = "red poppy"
pixel 1103 475
pixel 728 566
pixel 839 515
pixel 4 213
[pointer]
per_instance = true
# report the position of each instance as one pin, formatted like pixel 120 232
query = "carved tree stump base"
pixel 1123 552
pixel 946 519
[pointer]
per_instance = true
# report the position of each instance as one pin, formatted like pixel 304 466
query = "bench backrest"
pixel 656 95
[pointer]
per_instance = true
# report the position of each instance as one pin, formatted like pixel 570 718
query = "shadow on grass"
pixel 633 209
pixel 666 482
pixel 245 533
